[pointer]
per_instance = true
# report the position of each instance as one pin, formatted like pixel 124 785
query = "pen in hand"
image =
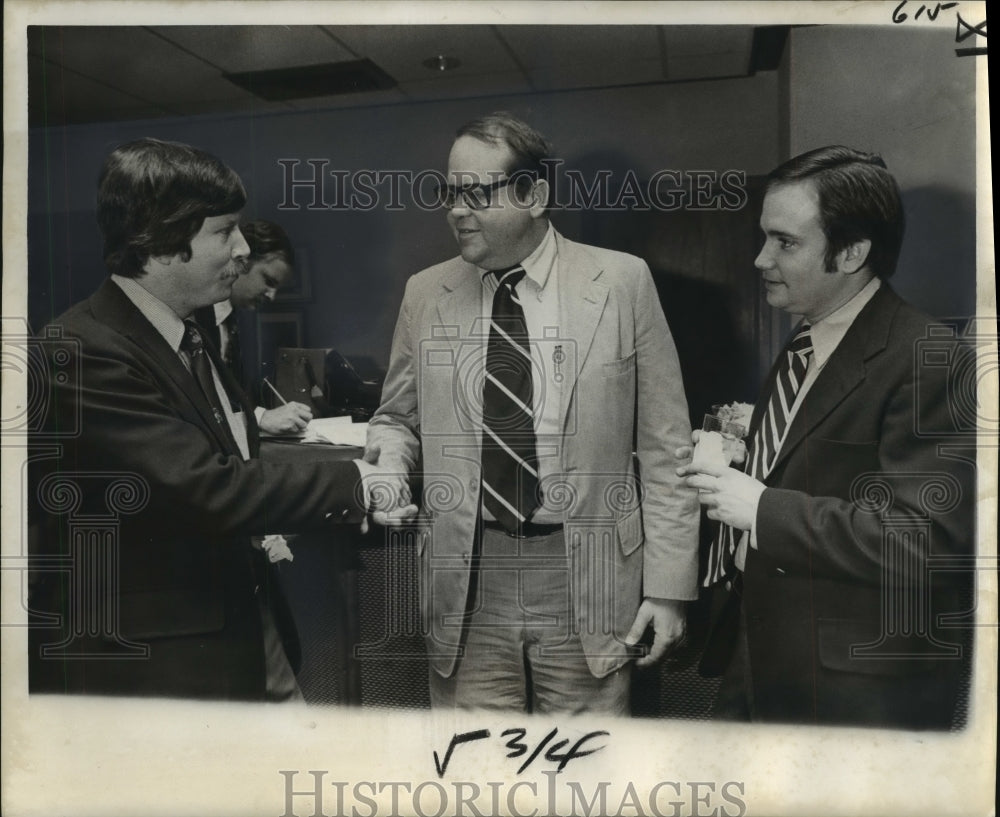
pixel 267 383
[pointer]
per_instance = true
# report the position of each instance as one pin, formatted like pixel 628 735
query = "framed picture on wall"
pixel 300 290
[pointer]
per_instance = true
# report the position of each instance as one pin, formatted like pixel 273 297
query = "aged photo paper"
pixel 905 79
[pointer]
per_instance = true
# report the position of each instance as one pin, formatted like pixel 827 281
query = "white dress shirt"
pixel 826 337
pixel 171 327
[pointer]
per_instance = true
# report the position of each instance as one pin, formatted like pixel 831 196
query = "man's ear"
pixel 162 260
pixel 538 197
pixel 854 256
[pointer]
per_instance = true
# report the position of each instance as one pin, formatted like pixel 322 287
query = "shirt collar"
pixel 829 332
pixel 164 319
pixel 538 266
pixel 223 309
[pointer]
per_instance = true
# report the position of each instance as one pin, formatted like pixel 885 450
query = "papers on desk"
pixel 336 431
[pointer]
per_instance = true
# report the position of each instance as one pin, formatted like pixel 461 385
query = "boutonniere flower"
pixel 276 548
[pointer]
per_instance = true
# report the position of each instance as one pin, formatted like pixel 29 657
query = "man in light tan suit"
pixel 548 550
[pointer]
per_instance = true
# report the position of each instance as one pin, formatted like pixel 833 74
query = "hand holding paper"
pixel 728 494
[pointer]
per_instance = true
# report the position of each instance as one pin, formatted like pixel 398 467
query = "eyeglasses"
pixel 474 196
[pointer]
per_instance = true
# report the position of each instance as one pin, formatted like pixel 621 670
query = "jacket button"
pixel 466 556
pixel 473 485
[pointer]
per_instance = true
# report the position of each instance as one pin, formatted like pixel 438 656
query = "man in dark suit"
pixel 856 484
pixel 170 598
pixel 268 269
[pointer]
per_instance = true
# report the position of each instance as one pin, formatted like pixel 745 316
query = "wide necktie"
pixel 770 433
pixel 201 368
pixel 510 461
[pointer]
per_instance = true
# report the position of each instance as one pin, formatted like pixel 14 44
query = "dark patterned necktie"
pixel 510 461
pixel 765 444
pixel 201 368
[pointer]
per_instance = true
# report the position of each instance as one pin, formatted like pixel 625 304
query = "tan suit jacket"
pixel 626 537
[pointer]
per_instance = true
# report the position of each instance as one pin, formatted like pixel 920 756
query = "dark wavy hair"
pixel 532 152
pixel 858 199
pixel 153 197
pixel 265 238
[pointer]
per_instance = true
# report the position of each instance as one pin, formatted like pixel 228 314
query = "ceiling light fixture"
pixel 441 63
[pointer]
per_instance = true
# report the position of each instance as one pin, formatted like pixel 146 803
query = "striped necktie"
pixel 774 423
pixel 509 458
pixel 766 442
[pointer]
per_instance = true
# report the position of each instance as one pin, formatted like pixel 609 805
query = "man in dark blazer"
pixel 857 486
pixel 268 269
pixel 143 520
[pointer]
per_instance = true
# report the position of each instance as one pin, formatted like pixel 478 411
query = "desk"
pixel 322 589
pixel 355 602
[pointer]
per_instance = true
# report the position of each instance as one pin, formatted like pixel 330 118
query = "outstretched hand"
pixel 388 491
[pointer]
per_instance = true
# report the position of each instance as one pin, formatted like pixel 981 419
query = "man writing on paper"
pixel 854 479
pixel 176 602
pixel 268 269
pixel 525 372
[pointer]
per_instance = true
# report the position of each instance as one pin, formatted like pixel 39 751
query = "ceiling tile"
pixel 230 105
pixel 133 60
pixel 359 100
pixel 595 75
pixel 703 52
pixel 547 46
pixel 450 86
pixel 586 56
pixel 401 50
pixel 257 48
pixel 119 72
pixel 61 97
pixel 699 66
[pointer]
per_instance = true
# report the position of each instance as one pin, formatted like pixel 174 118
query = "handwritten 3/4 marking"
pixel 519 748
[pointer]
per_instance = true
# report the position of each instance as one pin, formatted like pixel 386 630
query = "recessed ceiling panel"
pixel 257 48
pixel 401 50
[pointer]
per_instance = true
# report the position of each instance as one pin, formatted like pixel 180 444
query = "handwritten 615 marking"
pixel 518 748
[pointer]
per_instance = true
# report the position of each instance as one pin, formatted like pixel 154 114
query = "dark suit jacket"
pixel 179 577
pixel 860 504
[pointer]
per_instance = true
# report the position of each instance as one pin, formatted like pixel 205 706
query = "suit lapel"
pixel 462 297
pixel 460 324
pixel 581 303
pixel 113 308
pixel 844 371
